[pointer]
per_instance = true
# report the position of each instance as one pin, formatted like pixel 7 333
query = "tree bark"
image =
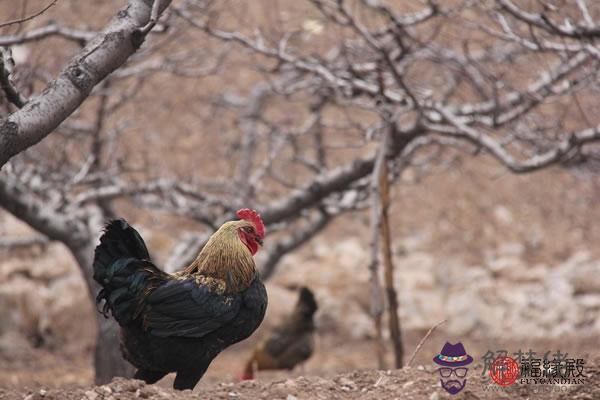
pixel 25 127
pixel 101 56
pixel 374 278
pixel 79 235
pixel 108 361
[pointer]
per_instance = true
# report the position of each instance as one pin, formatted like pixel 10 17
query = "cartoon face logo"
pixel 453 373
pixel 449 383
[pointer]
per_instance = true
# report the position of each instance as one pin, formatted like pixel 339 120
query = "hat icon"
pixel 453 355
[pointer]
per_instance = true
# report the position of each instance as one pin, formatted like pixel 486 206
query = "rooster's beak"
pixel 259 241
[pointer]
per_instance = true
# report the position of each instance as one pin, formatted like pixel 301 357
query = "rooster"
pixel 180 322
pixel 290 343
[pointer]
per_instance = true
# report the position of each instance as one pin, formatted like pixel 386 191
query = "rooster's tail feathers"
pixel 123 268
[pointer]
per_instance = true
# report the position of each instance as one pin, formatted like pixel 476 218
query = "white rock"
pixel 503 215
pixel 408 384
pixel 586 278
pixel 591 301
pixel 514 249
pixel 91 395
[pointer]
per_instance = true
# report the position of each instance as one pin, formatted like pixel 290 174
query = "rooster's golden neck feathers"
pixel 226 257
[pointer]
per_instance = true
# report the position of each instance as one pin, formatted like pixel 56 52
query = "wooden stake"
pixel 374 280
pixel 388 265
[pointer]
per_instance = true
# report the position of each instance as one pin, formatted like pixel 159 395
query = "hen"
pixel 290 343
pixel 180 322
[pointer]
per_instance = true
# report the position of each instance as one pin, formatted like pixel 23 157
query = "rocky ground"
pixel 43 375
pixel 407 383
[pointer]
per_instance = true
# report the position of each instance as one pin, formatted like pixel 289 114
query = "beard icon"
pixel 453 361
pixel 453 386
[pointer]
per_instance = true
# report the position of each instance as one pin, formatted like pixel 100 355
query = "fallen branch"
pixel 429 332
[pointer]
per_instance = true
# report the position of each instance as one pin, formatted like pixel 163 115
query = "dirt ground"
pixel 407 383
pixel 338 370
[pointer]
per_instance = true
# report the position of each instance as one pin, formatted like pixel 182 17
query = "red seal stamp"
pixel 504 371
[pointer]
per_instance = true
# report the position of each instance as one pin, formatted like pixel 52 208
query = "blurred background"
pixel 483 114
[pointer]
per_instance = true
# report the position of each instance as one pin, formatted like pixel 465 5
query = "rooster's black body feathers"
pixel 169 323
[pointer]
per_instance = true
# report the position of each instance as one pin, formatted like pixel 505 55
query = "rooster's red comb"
pixel 252 216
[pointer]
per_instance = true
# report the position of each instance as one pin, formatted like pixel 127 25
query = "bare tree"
pixel 25 190
pixel 66 195
pixel 453 79
pixel 298 142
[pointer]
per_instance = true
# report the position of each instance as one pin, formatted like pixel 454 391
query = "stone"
pixel 91 395
pixel 586 279
pixel 503 215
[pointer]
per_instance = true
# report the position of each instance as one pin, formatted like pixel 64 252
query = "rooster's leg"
pixel 148 376
pixel 188 379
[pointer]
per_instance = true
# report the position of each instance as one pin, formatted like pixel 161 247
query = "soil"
pixel 407 383
pixel 43 375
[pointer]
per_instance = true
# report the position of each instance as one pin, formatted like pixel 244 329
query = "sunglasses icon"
pixel 459 372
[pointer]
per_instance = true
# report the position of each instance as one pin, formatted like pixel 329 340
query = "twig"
pixel 21 20
pixel 6 69
pixel 153 18
pixel 79 36
pixel 429 332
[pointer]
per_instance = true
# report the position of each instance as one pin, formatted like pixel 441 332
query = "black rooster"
pixel 180 322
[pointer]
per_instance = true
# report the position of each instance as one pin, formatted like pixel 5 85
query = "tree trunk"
pixel 374 280
pixel 108 361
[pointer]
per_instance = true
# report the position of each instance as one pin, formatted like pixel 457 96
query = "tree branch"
pixel 23 242
pixel 336 180
pixel 52 29
pixel 105 53
pixel 185 251
pixel 17 200
pixel 556 154
pixel 11 92
pixel 292 242
pixel 29 18
pixel 543 22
